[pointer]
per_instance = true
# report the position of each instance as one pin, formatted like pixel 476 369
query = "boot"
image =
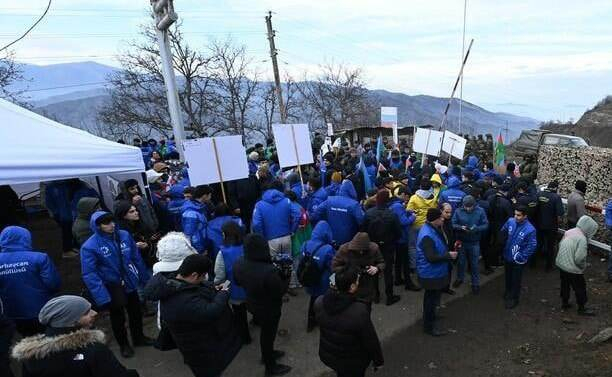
pixel 411 286
pixel 587 312
pixel 392 299
pixel 126 351
pixel 278 370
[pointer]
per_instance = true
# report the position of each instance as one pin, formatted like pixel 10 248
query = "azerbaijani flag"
pixel 367 183
pixel 500 151
pixel 322 168
pixel 379 148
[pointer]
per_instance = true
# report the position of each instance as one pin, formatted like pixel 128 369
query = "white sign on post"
pixel 330 129
pixel 388 119
pixel 427 141
pixel 207 164
pixel 454 144
pixel 293 144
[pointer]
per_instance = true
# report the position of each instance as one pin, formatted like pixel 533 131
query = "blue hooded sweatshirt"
pixel 195 224
pixel 215 235
pixel 100 262
pixel 406 218
pixel 476 221
pixel 323 253
pixel 332 189
pixel 274 217
pixel 316 199
pixel 342 212
pixel 453 194
pixel 28 279
pixel 472 165
pixel 521 243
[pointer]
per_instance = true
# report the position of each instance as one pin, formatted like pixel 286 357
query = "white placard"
pixel 290 152
pixel 454 144
pixel 427 141
pixel 330 129
pixel 200 155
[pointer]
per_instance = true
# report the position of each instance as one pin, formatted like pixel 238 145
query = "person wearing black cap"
pixel 575 204
pixel 385 230
pixel 432 267
pixel 265 287
pixel 69 346
pixel 550 213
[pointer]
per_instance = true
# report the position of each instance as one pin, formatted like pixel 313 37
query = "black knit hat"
pixel 433 214
pixel 581 186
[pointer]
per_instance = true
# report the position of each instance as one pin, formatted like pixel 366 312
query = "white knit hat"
pixel 171 250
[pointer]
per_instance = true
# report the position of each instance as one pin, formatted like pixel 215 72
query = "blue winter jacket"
pixel 476 221
pixel 453 194
pixel 472 166
pixel 28 279
pixel 426 269
pixel 215 235
pixel 395 164
pixel 406 218
pixel 274 216
pixel 609 214
pixel 316 198
pixel 521 242
pixel 319 244
pixel 195 224
pixel 231 254
pixel 298 189
pixel 332 189
pixel 342 212
pixel 100 262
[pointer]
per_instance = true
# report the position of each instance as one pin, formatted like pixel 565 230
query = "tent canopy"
pixel 37 149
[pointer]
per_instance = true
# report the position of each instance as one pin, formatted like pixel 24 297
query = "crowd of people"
pixel 360 221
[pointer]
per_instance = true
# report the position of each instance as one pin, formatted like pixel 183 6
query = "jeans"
pixel 577 283
pixel 514 275
pixel 117 317
pixel 610 256
pixel 412 238
pixel 471 254
pixel 431 298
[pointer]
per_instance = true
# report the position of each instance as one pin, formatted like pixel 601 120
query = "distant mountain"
pixel 65 77
pixel 76 103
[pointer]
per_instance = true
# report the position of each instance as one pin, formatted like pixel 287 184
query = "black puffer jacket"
pixel 348 340
pixel 199 319
pixel 383 227
pixel 80 353
pixel 261 280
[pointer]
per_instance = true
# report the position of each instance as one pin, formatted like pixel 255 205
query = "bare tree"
pixel 236 85
pixel 338 95
pixel 10 73
pixel 138 104
pixel 268 105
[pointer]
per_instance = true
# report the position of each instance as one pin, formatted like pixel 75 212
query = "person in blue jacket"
pixel 320 249
pixel 395 161
pixel 453 195
pixel 112 271
pixel 215 226
pixel 469 224
pixel 275 218
pixel 194 220
pixel 28 279
pixel 472 165
pixel 608 215
pixel 342 212
pixel 295 185
pixel 406 219
pixel 230 252
pixel 521 243
pixel 317 194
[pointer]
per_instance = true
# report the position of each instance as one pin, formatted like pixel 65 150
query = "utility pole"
pixel 273 53
pixel 506 129
pixel 164 17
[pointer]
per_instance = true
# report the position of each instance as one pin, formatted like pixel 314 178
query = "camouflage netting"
pixel 592 165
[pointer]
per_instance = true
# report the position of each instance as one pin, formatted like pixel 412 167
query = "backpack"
pixel 308 272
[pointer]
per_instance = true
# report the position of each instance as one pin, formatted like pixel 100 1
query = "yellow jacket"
pixel 419 206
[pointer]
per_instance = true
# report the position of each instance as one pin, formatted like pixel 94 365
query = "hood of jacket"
pixel 588 226
pixel 453 182
pixel 256 249
pixel 42 346
pixel 273 196
pixel 161 287
pixel 436 178
pixel 92 223
pixel 322 232
pixel 86 206
pixel 15 238
pixel 472 162
pixel 425 194
pixel 335 302
pixel 347 189
pixel 192 205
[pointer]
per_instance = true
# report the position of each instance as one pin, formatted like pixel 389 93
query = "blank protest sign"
pixel 200 155
pixel 286 148
pixel 454 144
pixel 427 141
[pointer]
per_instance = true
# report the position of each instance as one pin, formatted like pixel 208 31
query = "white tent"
pixel 37 149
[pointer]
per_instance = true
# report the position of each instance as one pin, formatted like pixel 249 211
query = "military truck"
pixel 530 141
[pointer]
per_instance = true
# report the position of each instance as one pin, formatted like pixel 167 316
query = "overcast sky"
pixel 545 59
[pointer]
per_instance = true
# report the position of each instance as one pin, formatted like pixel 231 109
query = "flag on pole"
pixel 500 151
pixel 367 183
pixel 379 148
pixel 381 167
pixel 322 169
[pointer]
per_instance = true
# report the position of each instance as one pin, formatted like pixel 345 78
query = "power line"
pixel 30 29
pixel 66 86
pixel 84 36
